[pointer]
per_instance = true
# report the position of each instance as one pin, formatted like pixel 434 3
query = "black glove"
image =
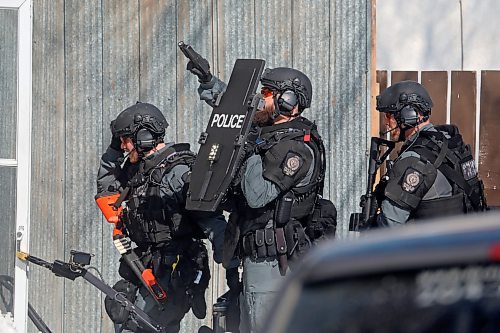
pixel 115 139
pixel 253 141
pixel 202 77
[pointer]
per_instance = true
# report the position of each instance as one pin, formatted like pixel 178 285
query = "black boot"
pixel 198 305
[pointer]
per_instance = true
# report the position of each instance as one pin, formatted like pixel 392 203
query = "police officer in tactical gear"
pixel 273 201
pixel 434 173
pixel 152 182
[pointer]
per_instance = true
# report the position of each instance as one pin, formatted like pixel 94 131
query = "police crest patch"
pixel 292 164
pixel 412 180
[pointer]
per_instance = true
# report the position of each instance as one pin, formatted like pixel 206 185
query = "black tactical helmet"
pixel 282 78
pixel 137 116
pixel 402 94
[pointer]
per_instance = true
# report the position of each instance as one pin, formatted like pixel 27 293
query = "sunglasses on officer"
pixel 267 92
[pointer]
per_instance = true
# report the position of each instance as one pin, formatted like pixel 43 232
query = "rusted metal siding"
pixel 94 58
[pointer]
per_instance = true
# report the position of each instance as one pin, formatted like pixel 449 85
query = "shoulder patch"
pixel 292 163
pixel 411 180
pixel 469 169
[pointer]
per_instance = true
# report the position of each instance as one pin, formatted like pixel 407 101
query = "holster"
pixel 231 238
pixel 282 250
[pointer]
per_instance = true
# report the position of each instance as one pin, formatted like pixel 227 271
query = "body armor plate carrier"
pixel 454 159
pixel 148 217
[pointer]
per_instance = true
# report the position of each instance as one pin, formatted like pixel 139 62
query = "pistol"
pixel 198 62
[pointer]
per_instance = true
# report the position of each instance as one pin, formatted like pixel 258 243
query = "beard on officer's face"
pixel 264 117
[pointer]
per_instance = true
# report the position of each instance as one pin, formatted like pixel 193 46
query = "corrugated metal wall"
pixel 93 58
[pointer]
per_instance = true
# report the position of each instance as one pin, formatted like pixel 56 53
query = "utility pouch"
pixel 249 244
pixel 117 312
pixel 323 223
pixel 260 242
pixel 269 239
pixel 296 239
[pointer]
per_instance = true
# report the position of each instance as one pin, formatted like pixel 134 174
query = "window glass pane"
pixel 444 299
pixel 7 237
pixel 8 82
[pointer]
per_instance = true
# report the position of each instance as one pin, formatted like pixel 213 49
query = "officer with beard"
pixel 152 181
pixel 274 196
pixel 434 173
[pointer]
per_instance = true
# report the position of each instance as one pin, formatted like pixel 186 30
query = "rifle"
pixel 110 206
pixel 368 202
pixel 76 268
pixel 197 62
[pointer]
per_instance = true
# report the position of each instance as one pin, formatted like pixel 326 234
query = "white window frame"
pixel 23 152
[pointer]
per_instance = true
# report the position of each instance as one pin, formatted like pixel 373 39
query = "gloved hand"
pixel 252 141
pixel 202 77
pixel 115 139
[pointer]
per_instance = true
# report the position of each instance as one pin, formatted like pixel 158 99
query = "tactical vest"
pixel 454 159
pixel 149 218
pixel 300 130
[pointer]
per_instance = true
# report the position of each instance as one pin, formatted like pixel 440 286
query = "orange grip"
pixel 117 232
pixel 106 203
pixel 150 280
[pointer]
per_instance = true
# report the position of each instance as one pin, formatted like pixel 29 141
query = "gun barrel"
pixel 197 60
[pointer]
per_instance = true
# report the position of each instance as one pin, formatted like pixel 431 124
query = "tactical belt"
pixel 259 244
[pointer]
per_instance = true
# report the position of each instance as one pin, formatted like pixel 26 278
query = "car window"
pixel 450 299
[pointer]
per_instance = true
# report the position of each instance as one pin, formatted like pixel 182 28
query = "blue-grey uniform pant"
pixel 174 309
pixel 261 282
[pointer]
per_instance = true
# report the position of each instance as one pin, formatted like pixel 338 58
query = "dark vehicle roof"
pixel 462 240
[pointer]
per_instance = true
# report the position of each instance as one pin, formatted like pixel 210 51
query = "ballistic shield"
pixel 222 144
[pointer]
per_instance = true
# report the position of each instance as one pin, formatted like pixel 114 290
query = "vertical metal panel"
pixel 120 89
pixel 463 105
pixel 274 35
pixel 194 27
pixel 48 159
pixel 158 57
pixel 83 228
pixel 436 83
pixel 8 82
pixel 349 112
pixel 489 149
pixel 236 34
